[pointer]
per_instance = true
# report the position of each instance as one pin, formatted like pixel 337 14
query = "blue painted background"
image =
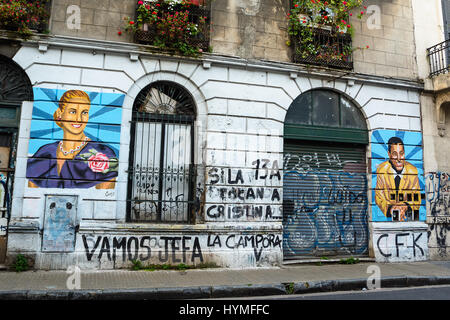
pixel 105 117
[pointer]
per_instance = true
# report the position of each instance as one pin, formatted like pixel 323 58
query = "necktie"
pixel 397 182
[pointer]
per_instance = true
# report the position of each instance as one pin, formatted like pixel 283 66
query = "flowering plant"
pixel 170 24
pixel 307 16
pixel 23 15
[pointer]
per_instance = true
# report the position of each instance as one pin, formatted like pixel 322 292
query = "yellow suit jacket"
pixel 408 191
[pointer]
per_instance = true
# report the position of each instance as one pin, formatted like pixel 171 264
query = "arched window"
pixel 15 87
pixel 327 116
pixel 161 169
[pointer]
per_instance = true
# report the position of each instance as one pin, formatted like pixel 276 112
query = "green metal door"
pixel 325 201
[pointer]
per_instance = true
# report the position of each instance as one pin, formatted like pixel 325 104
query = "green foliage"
pixel 22 16
pixel 137 265
pixel 21 263
pixel 170 25
pixel 289 288
pixel 333 15
pixel 349 261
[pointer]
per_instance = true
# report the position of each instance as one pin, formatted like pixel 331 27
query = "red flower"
pixel 98 162
pixel 131 22
pixel 141 2
pixel 119 33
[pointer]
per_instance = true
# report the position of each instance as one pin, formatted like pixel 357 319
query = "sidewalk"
pixel 215 283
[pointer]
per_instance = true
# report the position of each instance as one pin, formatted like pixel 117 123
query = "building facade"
pixel 244 156
pixel 432 56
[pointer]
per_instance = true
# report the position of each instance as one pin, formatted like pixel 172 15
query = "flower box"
pixel 24 16
pixel 330 50
pixel 174 25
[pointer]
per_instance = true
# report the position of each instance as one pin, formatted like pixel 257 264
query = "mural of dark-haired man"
pixel 397 191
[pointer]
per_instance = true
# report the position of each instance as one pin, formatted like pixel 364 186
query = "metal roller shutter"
pixel 325 203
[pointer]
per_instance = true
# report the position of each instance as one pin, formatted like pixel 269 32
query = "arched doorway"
pixel 15 87
pixel 161 166
pixel 325 177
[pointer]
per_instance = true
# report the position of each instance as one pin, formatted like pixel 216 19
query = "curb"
pixel 208 292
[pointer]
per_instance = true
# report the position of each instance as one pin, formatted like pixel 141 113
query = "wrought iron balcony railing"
pixel 198 10
pixel 25 15
pixel 438 57
pixel 328 49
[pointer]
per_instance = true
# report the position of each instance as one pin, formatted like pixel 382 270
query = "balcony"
pixel 327 49
pixel 25 17
pixel 438 57
pixel 182 27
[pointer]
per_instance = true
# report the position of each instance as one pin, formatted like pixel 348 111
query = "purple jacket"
pixel 75 174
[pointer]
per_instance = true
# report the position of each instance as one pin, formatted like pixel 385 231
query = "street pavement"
pixel 216 282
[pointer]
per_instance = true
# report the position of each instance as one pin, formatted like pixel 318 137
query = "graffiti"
pixel 314 161
pixel 401 246
pixel 269 170
pixel 242 194
pixel 132 246
pixel 175 249
pixel 438 199
pixel 325 210
pixel 83 151
pixel 257 242
pixel 3 226
pixel 248 211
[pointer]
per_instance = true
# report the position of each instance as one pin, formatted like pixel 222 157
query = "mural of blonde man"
pixel 75 161
pixel 397 191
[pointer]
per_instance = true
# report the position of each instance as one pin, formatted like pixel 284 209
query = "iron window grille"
pixel 438 57
pixel 149 32
pixel 41 25
pixel 161 169
pixel 332 50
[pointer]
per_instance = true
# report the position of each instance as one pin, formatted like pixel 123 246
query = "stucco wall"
pixel 429 31
pixel 257 29
pixel 240 118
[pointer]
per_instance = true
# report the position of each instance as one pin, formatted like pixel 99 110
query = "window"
pixel 25 16
pixel 175 26
pixel 161 169
pixel 326 49
pixel 325 115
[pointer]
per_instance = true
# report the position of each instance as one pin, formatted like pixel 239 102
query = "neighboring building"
pixel 254 154
pixel 432 45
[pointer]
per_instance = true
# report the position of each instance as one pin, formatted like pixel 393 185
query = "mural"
pixel 398 183
pixel 74 139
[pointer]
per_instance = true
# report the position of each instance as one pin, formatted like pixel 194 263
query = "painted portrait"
pixel 78 159
pixel 398 190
